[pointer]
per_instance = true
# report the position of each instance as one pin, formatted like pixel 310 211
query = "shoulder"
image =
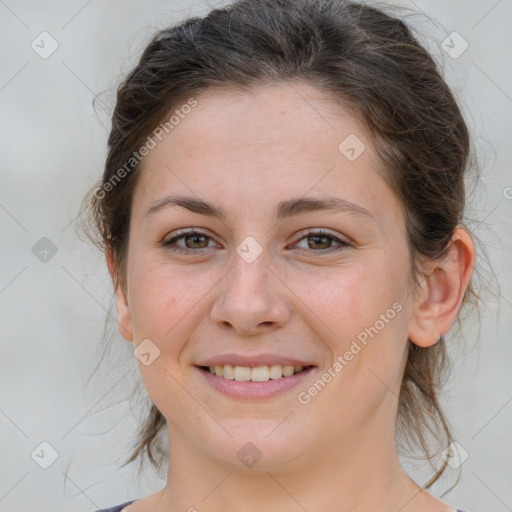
pixel 117 508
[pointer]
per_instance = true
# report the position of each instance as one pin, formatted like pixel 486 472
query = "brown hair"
pixel 361 56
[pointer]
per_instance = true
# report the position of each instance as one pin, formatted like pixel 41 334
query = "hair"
pixel 360 56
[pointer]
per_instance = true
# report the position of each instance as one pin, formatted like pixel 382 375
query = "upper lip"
pixel 253 360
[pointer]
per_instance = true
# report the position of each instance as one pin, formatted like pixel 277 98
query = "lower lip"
pixel 249 389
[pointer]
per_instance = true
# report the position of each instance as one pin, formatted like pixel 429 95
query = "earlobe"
pixel 442 293
pixel 124 321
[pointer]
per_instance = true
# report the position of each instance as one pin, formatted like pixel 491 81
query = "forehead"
pixel 264 145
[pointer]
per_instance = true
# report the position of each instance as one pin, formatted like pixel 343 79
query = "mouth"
pixel 256 373
pixel 254 382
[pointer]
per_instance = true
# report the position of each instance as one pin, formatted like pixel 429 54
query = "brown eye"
pixel 196 241
pixel 193 241
pixel 321 242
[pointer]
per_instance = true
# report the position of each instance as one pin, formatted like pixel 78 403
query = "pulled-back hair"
pixel 360 56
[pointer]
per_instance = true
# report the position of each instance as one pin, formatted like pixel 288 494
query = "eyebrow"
pixel 285 209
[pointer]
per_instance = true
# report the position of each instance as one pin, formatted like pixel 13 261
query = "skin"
pixel 306 298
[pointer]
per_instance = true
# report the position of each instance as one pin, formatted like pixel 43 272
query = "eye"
pixel 193 240
pixel 320 242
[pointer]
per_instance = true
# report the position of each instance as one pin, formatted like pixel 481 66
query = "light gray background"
pixel 52 314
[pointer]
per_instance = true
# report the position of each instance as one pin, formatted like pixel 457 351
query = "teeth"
pixel 275 371
pixel 256 374
pixel 242 373
pixel 288 371
pixel 229 371
pixel 260 374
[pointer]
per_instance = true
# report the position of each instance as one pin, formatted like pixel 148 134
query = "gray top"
pixel 118 508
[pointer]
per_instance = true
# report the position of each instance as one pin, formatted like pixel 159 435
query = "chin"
pixel 257 446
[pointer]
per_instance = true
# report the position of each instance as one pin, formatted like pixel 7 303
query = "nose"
pixel 251 298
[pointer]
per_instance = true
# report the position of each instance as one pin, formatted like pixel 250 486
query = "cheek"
pixel 154 311
pixel 366 323
pixel 157 299
pixel 162 305
pixel 362 319
pixel 349 299
pixel 166 304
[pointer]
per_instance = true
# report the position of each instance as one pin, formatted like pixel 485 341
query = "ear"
pixel 437 304
pixel 124 320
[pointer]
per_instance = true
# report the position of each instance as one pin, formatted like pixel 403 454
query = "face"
pixel 250 272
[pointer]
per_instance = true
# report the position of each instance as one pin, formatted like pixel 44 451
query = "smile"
pixel 253 383
pixel 254 374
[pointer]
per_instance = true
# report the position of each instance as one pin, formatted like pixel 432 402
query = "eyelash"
pixel 319 232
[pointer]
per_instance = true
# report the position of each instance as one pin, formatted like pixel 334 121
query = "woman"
pixel 282 217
